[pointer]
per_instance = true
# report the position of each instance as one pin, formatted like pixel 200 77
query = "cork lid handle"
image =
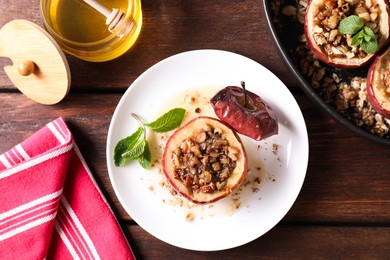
pixel 40 69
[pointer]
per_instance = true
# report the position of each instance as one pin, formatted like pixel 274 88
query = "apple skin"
pixel 375 88
pixel 344 63
pixel 255 119
pixel 191 129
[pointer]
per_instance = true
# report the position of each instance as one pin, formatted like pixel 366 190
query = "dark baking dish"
pixel 286 32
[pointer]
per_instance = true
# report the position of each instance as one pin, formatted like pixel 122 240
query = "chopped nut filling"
pixel 385 74
pixel 326 33
pixel 205 161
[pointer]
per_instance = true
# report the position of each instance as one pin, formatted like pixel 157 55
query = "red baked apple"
pixel 204 160
pixel 334 48
pixel 378 84
pixel 245 112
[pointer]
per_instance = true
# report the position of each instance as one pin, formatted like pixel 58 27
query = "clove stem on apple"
pixel 243 86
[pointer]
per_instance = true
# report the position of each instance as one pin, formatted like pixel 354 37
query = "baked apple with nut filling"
pixel 378 84
pixel 204 160
pixel 346 33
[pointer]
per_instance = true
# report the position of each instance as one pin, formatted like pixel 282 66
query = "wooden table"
pixel 343 210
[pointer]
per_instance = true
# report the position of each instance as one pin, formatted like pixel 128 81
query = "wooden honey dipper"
pixel 114 17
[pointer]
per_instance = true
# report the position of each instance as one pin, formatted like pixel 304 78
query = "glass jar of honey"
pixel 81 30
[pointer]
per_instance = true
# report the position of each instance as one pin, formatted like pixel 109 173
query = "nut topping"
pixel 205 161
pixel 327 19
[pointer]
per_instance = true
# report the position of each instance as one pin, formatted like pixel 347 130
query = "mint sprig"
pixel 362 35
pixel 136 147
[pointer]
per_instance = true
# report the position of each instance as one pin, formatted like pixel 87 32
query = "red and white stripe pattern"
pixel 50 206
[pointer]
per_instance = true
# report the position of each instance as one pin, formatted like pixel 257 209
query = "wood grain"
pixel 282 242
pixel 343 209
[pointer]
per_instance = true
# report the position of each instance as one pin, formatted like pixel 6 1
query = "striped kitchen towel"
pixel 50 205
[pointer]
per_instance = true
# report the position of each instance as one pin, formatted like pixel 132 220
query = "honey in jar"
pixel 82 31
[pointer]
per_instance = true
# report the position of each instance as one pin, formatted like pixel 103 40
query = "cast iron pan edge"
pixel 310 91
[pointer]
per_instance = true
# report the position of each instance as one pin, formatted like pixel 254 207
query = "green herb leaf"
pixel 358 38
pixel 145 159
pixel 366 39
pixel 137 150
pixel 351 25
pixel 123 145
pixel 370 47
pixel 369 33
pixel 169 121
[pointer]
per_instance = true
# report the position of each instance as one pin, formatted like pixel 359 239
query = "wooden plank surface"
pixel 283 242
pixel 343 210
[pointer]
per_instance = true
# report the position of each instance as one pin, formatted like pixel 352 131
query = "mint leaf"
pixel 351 25
pixel 169 121
pixel 358 38
pixel 145 159
pixel 370 47
pixel 366 39
pixel 369 33
pixel 135 151
pixel 123 145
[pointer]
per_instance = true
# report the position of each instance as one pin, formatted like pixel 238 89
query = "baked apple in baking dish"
pixel 346 33
pixel 378 84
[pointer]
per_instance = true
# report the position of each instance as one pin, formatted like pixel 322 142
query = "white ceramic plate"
pixel 277 165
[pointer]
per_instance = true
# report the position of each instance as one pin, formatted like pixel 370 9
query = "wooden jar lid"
pixel 40 69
